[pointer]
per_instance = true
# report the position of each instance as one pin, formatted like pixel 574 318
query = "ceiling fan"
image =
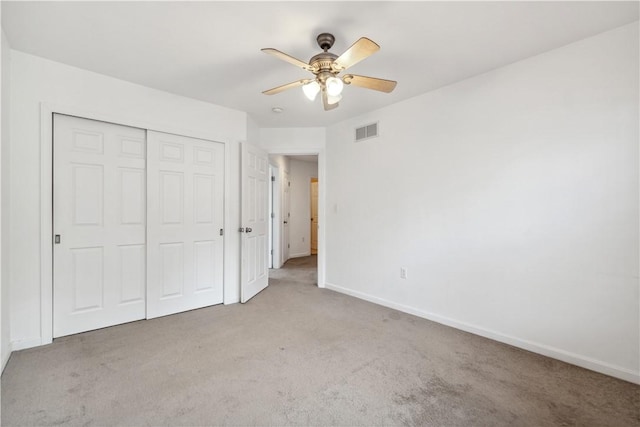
pixel 326 66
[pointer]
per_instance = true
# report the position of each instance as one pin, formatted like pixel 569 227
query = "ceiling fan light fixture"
pixel 333 99
pixel 334 86
pixel 326 67
pixel 311 90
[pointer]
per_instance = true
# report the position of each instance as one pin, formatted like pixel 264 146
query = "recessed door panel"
pixel 87 141
pixel 99 197
pixel 132 196
pixel 171 151
pixel 205 269
pixel 87 279
pixel 172 269
pixel 204 200
pixel 134 148
pixel 171 197
pixel 88 197
pixel 203 156
pixel 132 273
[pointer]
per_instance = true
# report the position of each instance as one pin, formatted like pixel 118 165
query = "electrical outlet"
pixel 403 273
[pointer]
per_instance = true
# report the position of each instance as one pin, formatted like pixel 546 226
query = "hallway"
pixel 296 271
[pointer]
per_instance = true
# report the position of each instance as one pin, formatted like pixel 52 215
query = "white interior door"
pixel 270 218
pixel 185 205
pixel 276 208
pixel 286 216
pixel 254 227
pixel 99 216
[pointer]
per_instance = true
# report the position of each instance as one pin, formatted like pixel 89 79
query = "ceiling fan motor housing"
pixel 322 65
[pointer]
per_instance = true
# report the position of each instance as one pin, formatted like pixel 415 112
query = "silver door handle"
pixel 249 230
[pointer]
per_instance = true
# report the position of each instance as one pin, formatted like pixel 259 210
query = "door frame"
pixel 322 182
pixel 275 209
pixel 46 198
pixel 313 180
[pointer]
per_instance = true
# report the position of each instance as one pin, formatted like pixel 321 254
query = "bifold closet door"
pixel 99 216
pixel 185 206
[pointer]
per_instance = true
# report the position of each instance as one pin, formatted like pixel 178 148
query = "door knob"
pixel 286 222
pixel 249 230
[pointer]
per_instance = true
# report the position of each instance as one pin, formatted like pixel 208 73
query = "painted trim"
pixel 545 350
pixel 6 356
pixel 24 344
pixel 46 200
pixel 226 242
pixel 300 254
pixel 46 225
pixel 322 218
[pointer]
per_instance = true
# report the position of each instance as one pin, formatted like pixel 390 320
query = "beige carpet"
pixel 299 355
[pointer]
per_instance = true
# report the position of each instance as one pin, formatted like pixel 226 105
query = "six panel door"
pixel 99 194
pixel 254 274
pixel 185 202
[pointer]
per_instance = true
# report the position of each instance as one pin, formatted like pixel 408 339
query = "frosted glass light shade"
pixel 333 99
pixel 311 90
pixel 334 86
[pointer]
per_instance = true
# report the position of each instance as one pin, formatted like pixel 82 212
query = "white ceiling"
pixel 211 50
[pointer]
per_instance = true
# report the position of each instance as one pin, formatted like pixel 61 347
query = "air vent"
pixel 367 131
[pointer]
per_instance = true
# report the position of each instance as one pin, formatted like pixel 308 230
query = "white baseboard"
pixel 545 350
pixel 299 255
pixel 5 358
pixel 24 344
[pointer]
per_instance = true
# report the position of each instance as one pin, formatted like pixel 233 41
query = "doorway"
pixel 298 219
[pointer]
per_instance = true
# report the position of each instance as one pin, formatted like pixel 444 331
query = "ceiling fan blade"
pixel 381 85
pixel 358 51
pixel 282 88
pixel 290 59
pixel 325 101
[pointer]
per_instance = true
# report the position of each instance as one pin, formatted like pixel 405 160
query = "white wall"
pixel 512 200
pixel 281 162
pixel 293 140
pixel 5 343
pixel 36 80
pixel 253 132
pixel 300 224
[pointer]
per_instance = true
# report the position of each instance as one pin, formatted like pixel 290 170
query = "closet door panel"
pixel 99 199
pixel 185 220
